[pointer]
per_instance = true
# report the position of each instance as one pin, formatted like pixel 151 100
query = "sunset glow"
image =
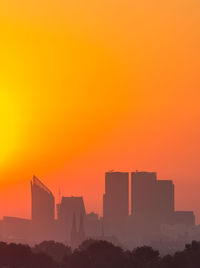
pixel 9 130
pixel 89 86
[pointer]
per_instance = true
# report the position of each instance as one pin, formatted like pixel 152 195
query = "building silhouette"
pixel 153 216
pixel 183 217
pixel 165 200
pixel 116 203
pixel 151 199
pixel 66 210
pixel 143 192
pixel 15 229
pixel 116 197
pixel 43 209
pixel 152 204
pixel 74 233
pixel 81 232
pixel 93 225
pixel 43 203
pixel 77 235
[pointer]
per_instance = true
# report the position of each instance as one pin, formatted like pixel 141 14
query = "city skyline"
pixel 58 193
pixel 111 178
pixel 138 208
pixel 90 86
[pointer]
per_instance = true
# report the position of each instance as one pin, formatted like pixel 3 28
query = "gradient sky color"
pixel 89 86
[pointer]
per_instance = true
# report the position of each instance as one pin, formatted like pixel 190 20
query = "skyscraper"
pixel 152 198
pixel 43 210
pixel 143 190
pixel 165 200
pixel 43 203
pixel 116 197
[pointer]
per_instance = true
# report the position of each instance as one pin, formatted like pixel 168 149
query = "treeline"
pixel 94 254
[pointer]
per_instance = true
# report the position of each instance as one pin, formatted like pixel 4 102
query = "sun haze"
pixel 88 86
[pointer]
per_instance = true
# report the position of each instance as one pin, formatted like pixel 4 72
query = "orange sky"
pixel 88 86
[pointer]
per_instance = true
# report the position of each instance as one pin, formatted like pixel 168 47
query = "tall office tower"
pixel 43 210
pixel 152 198
pixel 116 197
pixel 68 208
pixel 143 192
pixel 165 200
pixel 43 203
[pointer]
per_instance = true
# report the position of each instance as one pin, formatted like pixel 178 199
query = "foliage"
pixel 94 254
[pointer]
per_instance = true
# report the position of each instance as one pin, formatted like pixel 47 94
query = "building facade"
pixel 43 209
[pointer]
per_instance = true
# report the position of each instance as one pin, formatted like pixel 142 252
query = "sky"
pixel 91 86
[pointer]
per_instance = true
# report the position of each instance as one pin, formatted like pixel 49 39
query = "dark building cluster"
pixel 152 206
pixel 146 216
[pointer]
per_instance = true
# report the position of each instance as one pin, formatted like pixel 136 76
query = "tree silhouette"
pixel 54 249
pixel 41 260
pixel 94 254
pixel 145 257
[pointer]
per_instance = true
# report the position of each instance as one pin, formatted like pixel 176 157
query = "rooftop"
pixel 38 183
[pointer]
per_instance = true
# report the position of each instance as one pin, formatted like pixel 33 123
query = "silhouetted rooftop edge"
pixel 38 183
